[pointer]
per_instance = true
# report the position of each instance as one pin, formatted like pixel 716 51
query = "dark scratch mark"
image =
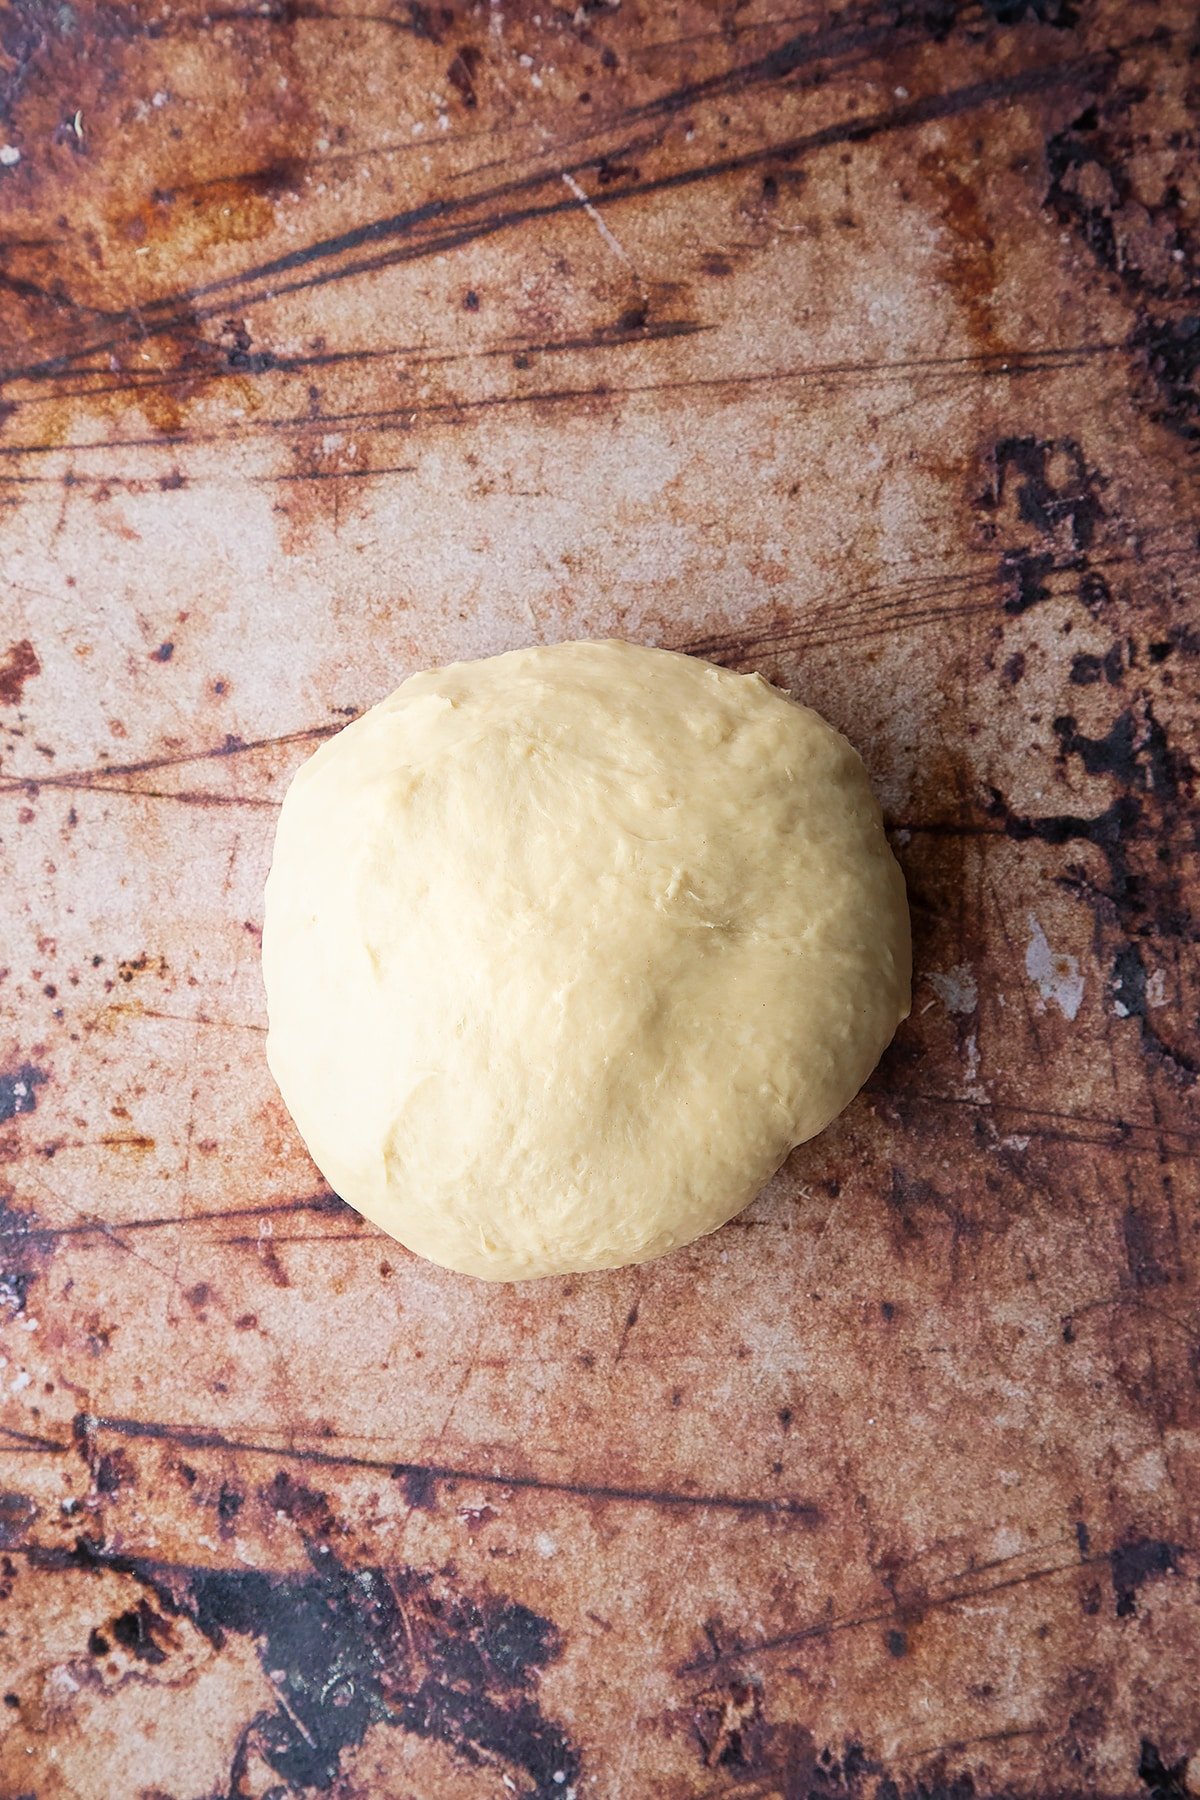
pixel 18 1091
pixel 163 315
pixel 319 1203
pixel 232 746
pixel 991 365
pixel 200 1437
pixel 879 1615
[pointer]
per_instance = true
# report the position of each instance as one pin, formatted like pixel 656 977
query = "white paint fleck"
pixel 20 1380
pixel 10 156
pixel 1055 975
pixel 610 237
pixel 972 1048
pixel 1156 988
pixel 956 988
pixel 544 1544
pixel 160 98
pixel 1016 1141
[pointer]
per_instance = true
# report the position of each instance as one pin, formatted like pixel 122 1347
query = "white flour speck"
pixel 956 989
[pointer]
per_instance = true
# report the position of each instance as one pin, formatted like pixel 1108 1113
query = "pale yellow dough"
pixel 565 950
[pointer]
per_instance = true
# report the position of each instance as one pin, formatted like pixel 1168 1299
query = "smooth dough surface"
pixel 566 949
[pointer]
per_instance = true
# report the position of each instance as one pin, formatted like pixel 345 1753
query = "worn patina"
pixel 859 345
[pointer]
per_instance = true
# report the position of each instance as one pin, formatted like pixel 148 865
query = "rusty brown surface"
pixel 855 345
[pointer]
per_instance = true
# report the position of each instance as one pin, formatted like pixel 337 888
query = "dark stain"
pixel 1164 1781
pixel 420 1488
pixel 306 1507
pixel 897 1643
pixel 1056 491
pixel 18 665
pixel 734 1734
pixel 18 1091
pixel 1146 897
pixel 23 1253
pixel 349 1647
pixel 98 1644
pixel 1024 575
pixel 1088 669
pixel 1140 232
pixel 428 22
pixel 272 1264
pixel 163 654
pixel 916 1205
pixel 143 1632
pixel 15 1268
pixel 462 73
pixel 240 357
pixel 112 1471
pixel 1139 237
pixel 1061 14
pixel 27 30
pixel 229 1503
pixel 728 1722
pixel 17 1513
pixel 1135 1562
pixel 1169 350
pixel 1141 1250
pixel 968 244
pixel 1131 1001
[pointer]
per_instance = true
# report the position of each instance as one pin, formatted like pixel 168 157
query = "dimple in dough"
pixel 565 950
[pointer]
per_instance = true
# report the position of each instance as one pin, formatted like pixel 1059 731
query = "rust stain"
pixel 18 665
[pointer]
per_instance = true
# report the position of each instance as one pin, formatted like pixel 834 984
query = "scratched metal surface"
pixel 859 346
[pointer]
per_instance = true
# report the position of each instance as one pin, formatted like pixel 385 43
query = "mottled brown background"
pixel 857 345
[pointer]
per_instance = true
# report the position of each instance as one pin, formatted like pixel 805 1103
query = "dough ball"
pixel 566 949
